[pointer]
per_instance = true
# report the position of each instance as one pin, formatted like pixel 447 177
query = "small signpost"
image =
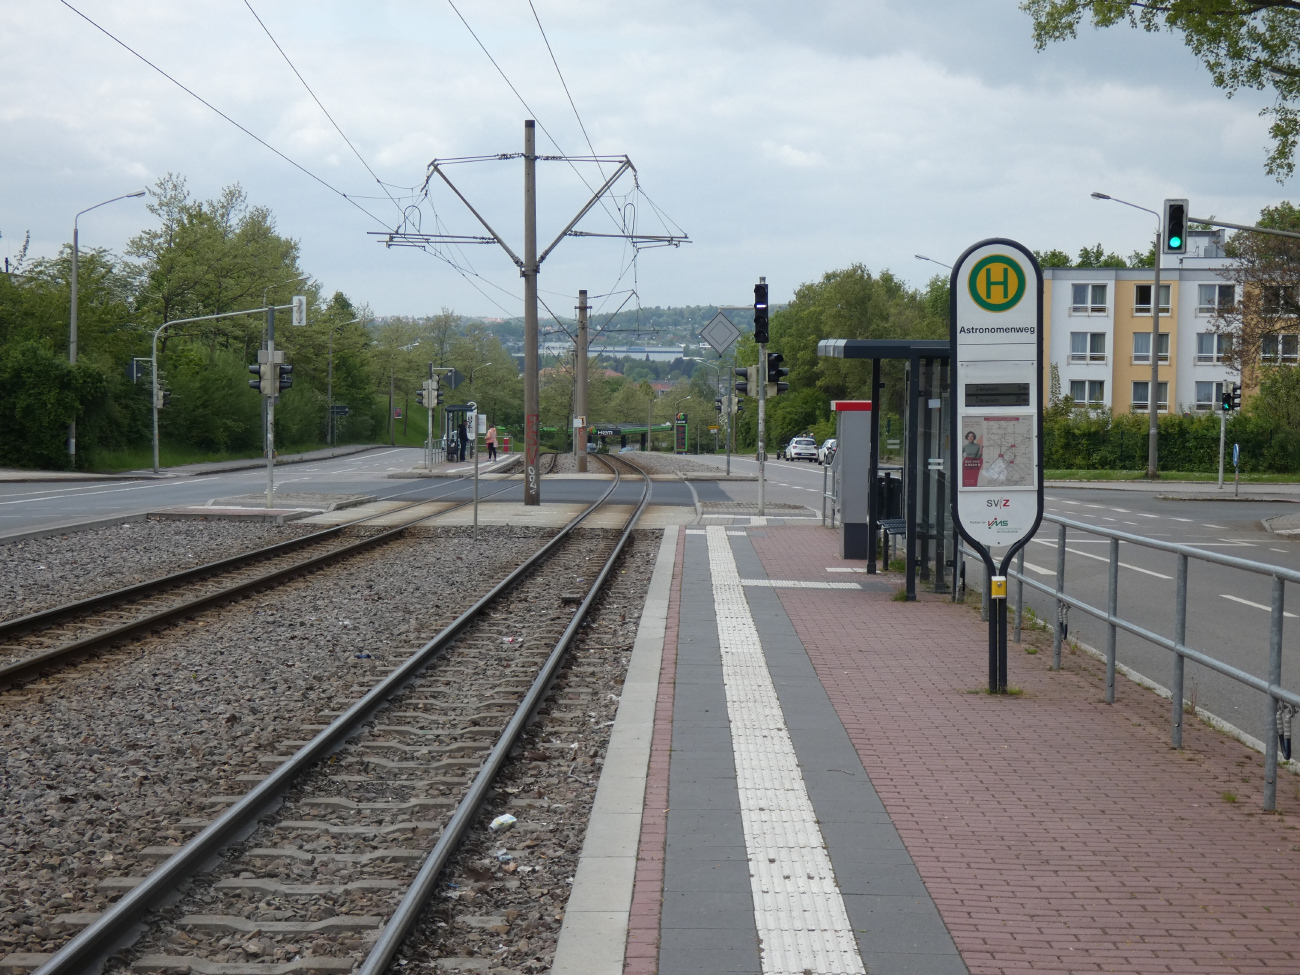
pixel 996 326
pixel 1236 470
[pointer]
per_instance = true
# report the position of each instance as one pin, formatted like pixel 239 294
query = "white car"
pixel 825 450
pixel 801 448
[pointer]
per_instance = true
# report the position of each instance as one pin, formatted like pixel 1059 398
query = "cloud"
pixel 787 140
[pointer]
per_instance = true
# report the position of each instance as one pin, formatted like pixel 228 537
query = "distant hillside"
pixel 678 325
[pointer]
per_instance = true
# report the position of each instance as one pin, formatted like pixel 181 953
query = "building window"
pixel 1088 299
pixel 1142 347
pixel 1277 300
pixel 1280 349
pixel 1142 299
pixel 1088 392
pixel 1215 299
pixel 1213 347
pixel 1140 390
pixel 1207 394
pixel 1087 346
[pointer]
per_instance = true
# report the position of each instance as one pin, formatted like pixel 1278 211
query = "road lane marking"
pixel 1103 558
pixel 1039 569
pixel 1247 602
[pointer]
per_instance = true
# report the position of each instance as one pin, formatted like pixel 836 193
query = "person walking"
pixel 462 437
pixel 491 441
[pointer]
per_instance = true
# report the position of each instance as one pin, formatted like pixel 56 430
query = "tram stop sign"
pixel 996 322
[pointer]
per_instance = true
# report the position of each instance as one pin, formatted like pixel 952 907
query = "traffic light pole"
pixel 270 410
pixel 1223 431
pixel 1153 394
pixel 762 430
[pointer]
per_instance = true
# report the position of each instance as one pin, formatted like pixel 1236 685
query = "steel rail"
pixel 22 624
pixel 33 666
pixel 422 888
pixel 119 925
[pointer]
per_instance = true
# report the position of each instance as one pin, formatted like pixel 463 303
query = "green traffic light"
pixel 1175 241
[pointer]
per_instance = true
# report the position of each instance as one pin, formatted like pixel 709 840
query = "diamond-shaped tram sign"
pixel 720 333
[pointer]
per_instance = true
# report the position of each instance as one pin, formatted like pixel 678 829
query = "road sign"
pixel 339 410
pixel 720 333
pixel 1236 455
pixel 996 316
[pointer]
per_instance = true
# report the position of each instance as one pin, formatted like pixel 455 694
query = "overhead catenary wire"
pixel 319 104
pixel 565 85
pixel 195 95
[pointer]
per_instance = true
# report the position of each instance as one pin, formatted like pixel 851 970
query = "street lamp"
pixel 72 318
pixel 1153 432
pixel 329 383
pixel 922 257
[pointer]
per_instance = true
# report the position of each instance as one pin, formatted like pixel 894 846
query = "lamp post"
pixel 1153 431
pixel 922 257
pixel 329 383
pixel 72 317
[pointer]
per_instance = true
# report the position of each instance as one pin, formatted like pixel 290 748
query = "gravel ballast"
pixel 43 572
pixel 101 766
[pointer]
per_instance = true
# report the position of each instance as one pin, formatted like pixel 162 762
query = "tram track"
pixel 347 837
pixel 37 644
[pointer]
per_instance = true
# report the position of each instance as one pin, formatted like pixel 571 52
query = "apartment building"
pixel 1098 331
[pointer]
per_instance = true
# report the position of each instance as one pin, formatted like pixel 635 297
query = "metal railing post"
pixel 1112 611
pixel 984 596
pixel 1058 637
pixel 1020 591
pixel 825 471
pixel 1180 664
pixel 1274 681
pixel 958 563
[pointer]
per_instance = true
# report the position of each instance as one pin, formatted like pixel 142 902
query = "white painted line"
pixel 1102 558
pixel 799 912
pixel 1039 569
pixel 798 584
pixel 1176 518
pixel 1122 511
pixel 1143 514
pixel 854 568
pixel 1277 550
pixel 755 520
pixel 1247 602
pixel 1220 527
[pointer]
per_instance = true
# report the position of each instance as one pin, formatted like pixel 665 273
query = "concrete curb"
pixel 593 938
pixel 69 528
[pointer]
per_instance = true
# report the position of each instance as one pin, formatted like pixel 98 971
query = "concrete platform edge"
pixel 594 934
pixel 69 528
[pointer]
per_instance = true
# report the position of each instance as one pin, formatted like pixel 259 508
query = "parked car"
pixel 826 451
pixel 629 449
pixel 801 448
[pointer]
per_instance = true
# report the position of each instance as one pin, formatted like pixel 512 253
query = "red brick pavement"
pixel 1055 833
pixel 642 954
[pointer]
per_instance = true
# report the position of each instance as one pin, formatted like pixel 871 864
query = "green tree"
pixel 1096 256
pixel 1244 44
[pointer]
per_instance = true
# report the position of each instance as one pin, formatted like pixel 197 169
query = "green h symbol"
pixel 1003 282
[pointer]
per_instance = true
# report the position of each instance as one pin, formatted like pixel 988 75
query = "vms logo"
pixel 999 523
pixel 998 503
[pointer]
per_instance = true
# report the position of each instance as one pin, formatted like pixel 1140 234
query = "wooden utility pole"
pixel 580 384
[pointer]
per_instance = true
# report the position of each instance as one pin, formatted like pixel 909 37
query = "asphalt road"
pixel 33 505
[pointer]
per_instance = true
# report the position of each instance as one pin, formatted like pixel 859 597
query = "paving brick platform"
pixel 1052 832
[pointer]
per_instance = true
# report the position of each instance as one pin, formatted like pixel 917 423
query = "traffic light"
pixel 265 371
pixel 419 398
pixel 1225 399
pixel 1236 396
pixel 774 373
pixel 1175 227
pixel 440 396
pixel 286 380
pixel 717 403
pixel 749 379
pixel 163 398
pixel 760 312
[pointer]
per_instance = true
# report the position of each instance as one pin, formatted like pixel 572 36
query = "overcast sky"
pixel 787 139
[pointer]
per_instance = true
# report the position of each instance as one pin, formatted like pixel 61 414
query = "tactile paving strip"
pixel 798 909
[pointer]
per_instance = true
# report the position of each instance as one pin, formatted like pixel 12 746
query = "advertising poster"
pixel 998 452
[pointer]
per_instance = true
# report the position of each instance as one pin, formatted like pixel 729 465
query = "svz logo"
pixel 998 503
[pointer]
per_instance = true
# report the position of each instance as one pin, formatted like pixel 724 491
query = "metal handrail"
pixel 1272 686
